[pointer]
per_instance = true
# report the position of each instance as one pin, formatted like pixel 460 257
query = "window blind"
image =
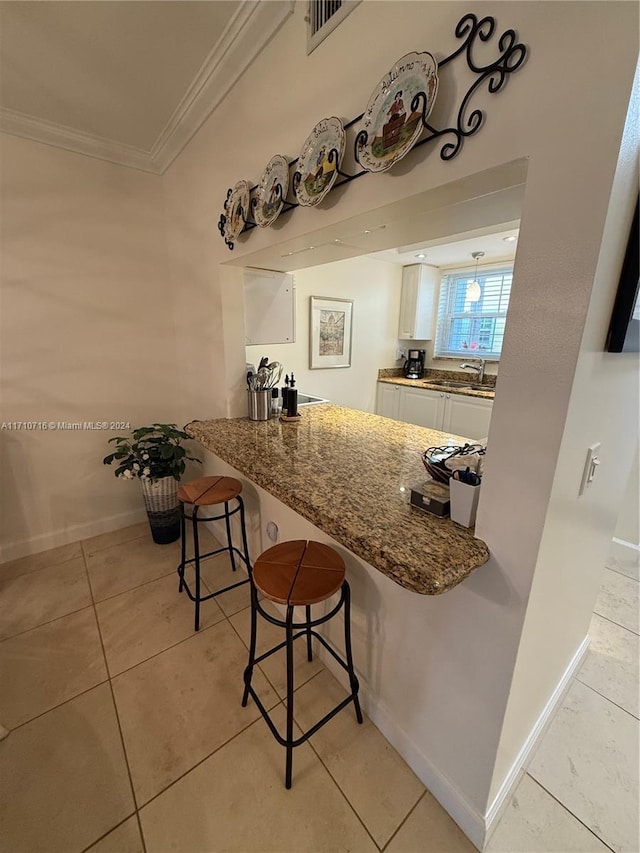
pixel 468 328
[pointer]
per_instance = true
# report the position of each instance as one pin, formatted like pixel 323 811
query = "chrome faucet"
pixel 479 367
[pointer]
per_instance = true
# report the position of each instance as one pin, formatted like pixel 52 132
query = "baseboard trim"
pixel 622 550
pixel 470 821
pixel 73 533
pixel 503 797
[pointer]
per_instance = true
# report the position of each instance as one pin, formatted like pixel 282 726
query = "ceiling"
pixel 498 246
pixel 126 80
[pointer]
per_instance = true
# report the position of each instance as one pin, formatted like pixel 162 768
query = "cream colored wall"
pixel 627 526
pixel 455 719
pixel 374 287
pixel 87 335
pixel 604 407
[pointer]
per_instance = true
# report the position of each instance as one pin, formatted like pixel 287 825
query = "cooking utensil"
pixel 276 373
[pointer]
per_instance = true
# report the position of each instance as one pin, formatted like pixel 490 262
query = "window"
pixel 323 17
pixel 468 328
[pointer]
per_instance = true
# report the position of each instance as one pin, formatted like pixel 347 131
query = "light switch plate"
pixel 590 467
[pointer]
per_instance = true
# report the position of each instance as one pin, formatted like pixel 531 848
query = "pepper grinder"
pixel 292 399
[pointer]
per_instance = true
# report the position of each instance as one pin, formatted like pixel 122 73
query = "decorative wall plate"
pixel 272 191
pixel 236 209
pixel 319 161
pixel 392 121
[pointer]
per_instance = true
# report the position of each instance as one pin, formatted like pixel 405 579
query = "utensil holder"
pixel 259 405
pixel 464 502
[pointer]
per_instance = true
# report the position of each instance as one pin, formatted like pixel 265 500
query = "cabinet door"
pixel 421 407
pixel 467 416
pixel 387 400
pixel 408 302
pixel 417 302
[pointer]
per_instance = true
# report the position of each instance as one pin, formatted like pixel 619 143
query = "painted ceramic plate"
pixel 392 127
pixel 236 207
pixel 272 191
pixel 319 161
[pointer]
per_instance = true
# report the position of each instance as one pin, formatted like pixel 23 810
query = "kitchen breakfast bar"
pixel 350 474
pixel 421 617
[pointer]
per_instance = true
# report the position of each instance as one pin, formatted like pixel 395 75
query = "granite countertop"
pixel 394 376
pixel 350 474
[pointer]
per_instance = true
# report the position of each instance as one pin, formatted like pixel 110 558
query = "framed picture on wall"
pixel 330 332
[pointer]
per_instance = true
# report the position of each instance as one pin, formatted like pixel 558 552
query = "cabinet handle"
pixel 441 394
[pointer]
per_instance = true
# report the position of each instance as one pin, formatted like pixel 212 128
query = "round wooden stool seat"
pixel 207 491
pixel 299 572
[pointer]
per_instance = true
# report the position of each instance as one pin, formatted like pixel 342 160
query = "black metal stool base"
pixel 197 597
pixel 306 630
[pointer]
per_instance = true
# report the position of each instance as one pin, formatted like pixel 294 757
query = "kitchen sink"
pixel 445 383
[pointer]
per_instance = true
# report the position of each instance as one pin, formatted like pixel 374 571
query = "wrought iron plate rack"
pixel 495 74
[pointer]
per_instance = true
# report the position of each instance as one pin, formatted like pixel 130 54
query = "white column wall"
pixel 604 408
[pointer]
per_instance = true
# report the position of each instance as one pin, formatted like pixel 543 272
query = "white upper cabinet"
pixel 417 302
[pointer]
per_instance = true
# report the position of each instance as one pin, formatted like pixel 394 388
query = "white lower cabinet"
pixel 420 407
pixel 444 411
pixel 388 400
pixel 467 416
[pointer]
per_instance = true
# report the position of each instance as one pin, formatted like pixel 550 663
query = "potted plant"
pixel 155 456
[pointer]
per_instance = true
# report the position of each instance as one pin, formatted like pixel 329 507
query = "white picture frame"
pixel 330 332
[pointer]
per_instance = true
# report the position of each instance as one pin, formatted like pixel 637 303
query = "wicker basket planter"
pixel 163 508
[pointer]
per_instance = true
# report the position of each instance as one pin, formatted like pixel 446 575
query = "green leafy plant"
pixel 152 452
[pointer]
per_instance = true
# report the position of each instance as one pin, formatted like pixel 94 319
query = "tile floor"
pixel 127 734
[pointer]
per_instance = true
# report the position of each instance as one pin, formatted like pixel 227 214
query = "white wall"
pixel 87 335
pixel 628 524
pixel 374 287
pixel 603 407
pixel 272 108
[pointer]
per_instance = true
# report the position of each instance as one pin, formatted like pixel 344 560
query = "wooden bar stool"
pixel 205 492
pixel 299 573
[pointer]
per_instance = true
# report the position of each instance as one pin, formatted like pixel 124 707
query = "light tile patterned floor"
pixel 127 733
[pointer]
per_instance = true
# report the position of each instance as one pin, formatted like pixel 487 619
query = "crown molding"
pixel 249 31
pixel 251 28
pixel 60 136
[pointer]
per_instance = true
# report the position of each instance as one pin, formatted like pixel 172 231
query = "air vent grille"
pixel 320 12
pixel 323 17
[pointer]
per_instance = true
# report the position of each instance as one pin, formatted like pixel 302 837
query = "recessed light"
pixel 509 239
pixel 421 255
pixel 337 240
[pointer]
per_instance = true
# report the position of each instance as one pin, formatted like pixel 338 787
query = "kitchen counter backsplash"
pixel 441 375
pixel 395 376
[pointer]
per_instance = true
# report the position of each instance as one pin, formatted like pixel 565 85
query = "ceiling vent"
pixel 323 17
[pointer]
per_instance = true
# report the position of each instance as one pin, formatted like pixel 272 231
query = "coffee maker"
pixel 414 365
